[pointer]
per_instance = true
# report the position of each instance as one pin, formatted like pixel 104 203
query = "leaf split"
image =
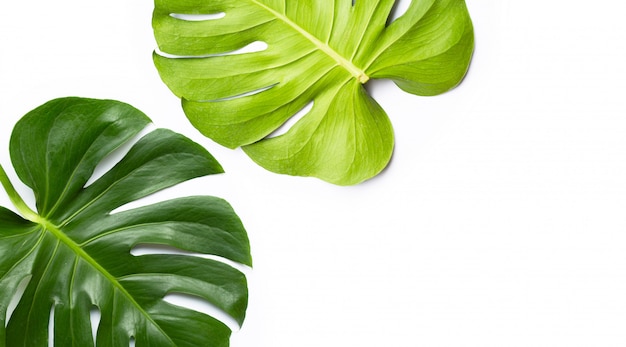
pixel 77 253
pixel 318 51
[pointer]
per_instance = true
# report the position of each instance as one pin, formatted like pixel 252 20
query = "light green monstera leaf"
pixel 318 51
pixel 76 254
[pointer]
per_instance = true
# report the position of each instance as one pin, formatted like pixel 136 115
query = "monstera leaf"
pixel 318 51
pixel 75 254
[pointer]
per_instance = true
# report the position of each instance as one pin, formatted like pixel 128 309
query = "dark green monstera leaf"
pixel 76 254
pixel 318 51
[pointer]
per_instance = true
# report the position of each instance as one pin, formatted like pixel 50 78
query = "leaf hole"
pixel 160 249
pixel 399 8
pixel 198 304
pixel 95 315
pixel 252 47
pixel 242 95
pixel 285 127
pixel 131 343
pixel 186 188
pixel 198 17
pixel 51 327
pixel 17 297
pixel 106 164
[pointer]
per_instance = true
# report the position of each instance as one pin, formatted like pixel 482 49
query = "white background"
pixel 499 222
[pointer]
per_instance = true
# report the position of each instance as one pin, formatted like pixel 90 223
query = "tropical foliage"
pixel 73 254
pixel 319 52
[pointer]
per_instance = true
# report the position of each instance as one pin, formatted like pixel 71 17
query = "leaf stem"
pixel 16 199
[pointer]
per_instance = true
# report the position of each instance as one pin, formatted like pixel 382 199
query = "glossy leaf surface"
pixel 318 51
pixel 75 254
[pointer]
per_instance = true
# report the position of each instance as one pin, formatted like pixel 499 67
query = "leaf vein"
pixel 69 181
pixel 118 287
pixel 35 296
pixel 339 59
pixel 35 246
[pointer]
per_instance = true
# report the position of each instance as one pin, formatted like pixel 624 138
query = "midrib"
pixel 54 230
pixel 32 216
pixel 345 63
